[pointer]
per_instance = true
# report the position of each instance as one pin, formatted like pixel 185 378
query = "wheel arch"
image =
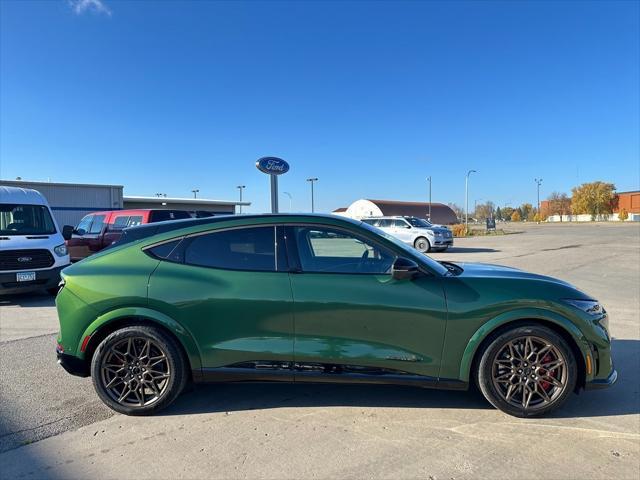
pixel 109 322
pixel 559 324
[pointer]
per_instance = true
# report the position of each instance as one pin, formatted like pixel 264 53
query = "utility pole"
pixel 538 182
pixel 312 180
pixel 240 188
pixel 290 201
pixel 429 180
pixel 466 200
pixel 195 193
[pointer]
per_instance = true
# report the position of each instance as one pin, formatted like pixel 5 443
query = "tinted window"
pixel 98 223
pixel 370 221
pixel 119 223
pixel 83 226
pixel 134 221
pixel 326 250
pixel 239 249
pixel 168 251
pixel 163 215
pixel 400 224
pixel 384 223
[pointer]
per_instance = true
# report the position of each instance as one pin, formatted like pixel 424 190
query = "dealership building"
pixel 440 213
pixel 72 201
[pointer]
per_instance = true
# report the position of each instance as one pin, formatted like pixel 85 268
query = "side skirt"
pixel 320 373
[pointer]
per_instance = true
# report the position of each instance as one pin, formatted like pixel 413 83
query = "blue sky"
pixel 371 97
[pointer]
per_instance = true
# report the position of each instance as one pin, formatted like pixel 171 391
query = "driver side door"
pixel 350 313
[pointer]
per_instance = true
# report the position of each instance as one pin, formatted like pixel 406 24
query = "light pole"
pixel 429 180
pixel 466 200
pixel 290 201
pixel 538 182
pixel 312 180
pixel 195 193
pixel 240 188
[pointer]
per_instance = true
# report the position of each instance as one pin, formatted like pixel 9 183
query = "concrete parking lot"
pixel 53 426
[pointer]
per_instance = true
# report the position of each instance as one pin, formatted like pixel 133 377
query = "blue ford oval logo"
pixel 272 165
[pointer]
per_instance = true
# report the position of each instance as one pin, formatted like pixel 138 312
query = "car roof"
pixel 150 229
pixel 25 196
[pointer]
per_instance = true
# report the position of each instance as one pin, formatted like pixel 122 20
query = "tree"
pixel 623 214
pixel 498 214
pixel 558 204
pixel 515 216
pixel 526 211
pixel 484 211
pixel 507 212
pixel 456 209
pixel 593 198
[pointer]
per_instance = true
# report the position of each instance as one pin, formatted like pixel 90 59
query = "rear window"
pixel 163 215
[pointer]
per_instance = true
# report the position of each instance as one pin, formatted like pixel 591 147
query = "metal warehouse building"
pixel 72 201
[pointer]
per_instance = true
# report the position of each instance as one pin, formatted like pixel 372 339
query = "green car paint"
pixel 430 327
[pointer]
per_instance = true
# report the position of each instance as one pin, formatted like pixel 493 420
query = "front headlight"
pixel 61 250
pixel 592 307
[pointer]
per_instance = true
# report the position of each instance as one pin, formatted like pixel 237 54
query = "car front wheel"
pixel 138 370
pixel 527 371
pixel 422 245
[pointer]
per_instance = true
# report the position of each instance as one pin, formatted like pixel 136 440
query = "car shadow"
pixel 35 299
pixel 621 399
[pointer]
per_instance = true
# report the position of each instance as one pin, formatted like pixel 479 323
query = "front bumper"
pixel 73 365
pixel 442 242
pixel 601 383
pixel 44 279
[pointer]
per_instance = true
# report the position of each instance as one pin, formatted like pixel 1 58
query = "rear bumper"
pixel 602 382
pixel 73 365
pixel 44 279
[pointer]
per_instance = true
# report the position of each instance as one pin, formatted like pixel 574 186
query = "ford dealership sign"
pixel 272 165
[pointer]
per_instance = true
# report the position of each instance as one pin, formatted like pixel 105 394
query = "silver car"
pixel 418 232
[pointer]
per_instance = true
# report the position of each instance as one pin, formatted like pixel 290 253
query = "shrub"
pixel 459 230
pixel 623 214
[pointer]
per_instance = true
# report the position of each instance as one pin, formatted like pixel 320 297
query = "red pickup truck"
pixel 101 229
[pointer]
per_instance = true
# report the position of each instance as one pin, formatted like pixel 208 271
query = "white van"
pixel 32 249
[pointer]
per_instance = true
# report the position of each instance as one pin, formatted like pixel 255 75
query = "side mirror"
pixel 67 232
pixel 404 269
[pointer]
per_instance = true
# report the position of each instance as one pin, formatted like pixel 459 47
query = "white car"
pixel 32 248
pixel 417 232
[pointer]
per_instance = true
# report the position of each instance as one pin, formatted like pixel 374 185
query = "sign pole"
pixel 274 193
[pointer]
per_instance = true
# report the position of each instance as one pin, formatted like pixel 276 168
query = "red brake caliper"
pixel 543 384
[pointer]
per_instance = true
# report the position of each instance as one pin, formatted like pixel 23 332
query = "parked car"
pixel 101 229
pixel 313 298
pixel 417 232
pixel 32 249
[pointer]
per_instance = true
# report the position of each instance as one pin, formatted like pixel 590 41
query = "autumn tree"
pixel 559 204
pixel 526 211
pixel 593 198
pixel 506 213
pixel 484 211
pixel 515 216
pixel 623 214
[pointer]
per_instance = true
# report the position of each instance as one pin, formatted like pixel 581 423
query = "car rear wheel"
pixel 138 370
pixel 422 245
pixel 527 371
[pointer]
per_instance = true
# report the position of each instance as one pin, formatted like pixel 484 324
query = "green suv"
pixel 319 298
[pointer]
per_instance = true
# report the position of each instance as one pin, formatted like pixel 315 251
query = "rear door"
pixel 230 289
pixel 402 230
pixel 349 311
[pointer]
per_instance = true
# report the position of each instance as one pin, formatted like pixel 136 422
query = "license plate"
pixel 26 277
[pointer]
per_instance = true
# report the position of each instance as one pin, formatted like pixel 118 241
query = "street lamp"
pixel 312 180
pixel 466 200
pixel 429 180
pixel 290 201
pixel 195 193
pixel 240 188
pixel 538 182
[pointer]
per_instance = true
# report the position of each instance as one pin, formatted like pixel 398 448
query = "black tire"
pixel 422 245
pixel 172 365
pixel 496 364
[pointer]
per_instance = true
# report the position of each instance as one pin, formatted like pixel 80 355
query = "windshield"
pixel 16 219
pixel 419 222
pixel 411 252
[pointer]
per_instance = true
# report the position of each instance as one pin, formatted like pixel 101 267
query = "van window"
pixel 238 249
pixel 16 219
pixel 98 223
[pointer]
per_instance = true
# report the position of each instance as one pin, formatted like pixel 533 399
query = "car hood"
pixel 486 270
